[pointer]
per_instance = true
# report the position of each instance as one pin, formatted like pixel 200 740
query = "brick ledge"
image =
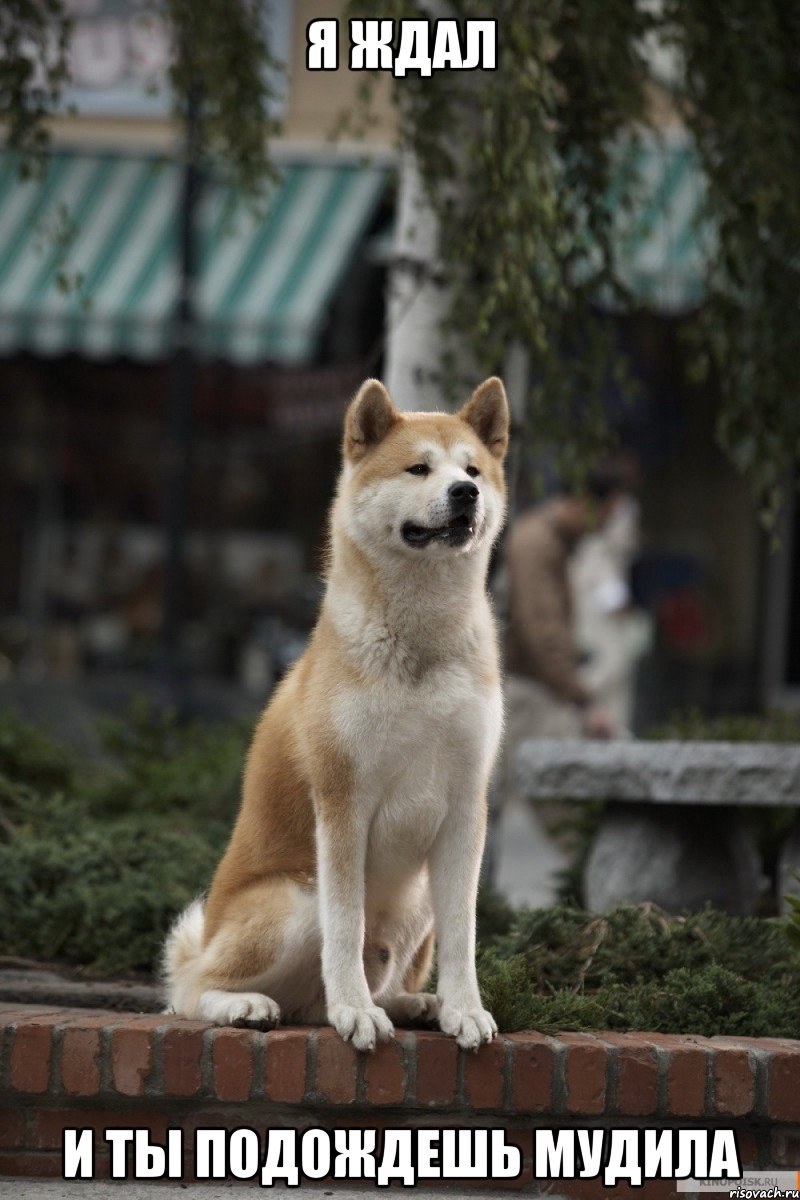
pixel 60 1067
pixel 84 1053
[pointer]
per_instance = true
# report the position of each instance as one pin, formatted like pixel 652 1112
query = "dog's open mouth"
pixel 456 532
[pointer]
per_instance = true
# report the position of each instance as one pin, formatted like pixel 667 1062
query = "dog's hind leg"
pixel 261 959
pixel 251 1009
pixel 410 1003
pixel 419 968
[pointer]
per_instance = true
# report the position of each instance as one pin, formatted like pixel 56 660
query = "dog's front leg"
pixel 341 857
pixel 454 866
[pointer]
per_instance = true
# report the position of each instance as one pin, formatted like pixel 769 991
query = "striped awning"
pixel 88 257
pixel 663 245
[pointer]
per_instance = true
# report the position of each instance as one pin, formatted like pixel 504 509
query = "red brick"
pixel 385 1073
pixel 337 1067
pixel 24 1165
pixel 182 1050
pixel 483 1075
pixel 81 1050
pixel 785 1148
pixel 16 1014
pixel 521 1138
pixel 724 1042
pixel 437 1062
pixel 523 1181
pixel 12 1128
pixel 734 1083
pixel 132 1057
pixel 531 1073
pixel 31 1054
pixel 792 1045
pixel 228 1117
pixel 585 1074
pixel 784 1085
pixel 12 1013
pixel 232 1063
pixel 80 1061
pixel 285 1079
pixel 687 1072
pixel 637 1074
pixel 748 1149
pixel 48 1124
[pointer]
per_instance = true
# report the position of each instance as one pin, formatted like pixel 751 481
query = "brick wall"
pixel 80 1067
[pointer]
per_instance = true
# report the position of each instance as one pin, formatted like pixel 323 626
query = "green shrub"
pixel 95 863
pixel 691 725
pixel 100 894
pixel 710 1002
pixel 567 947
pixel 792 923
pixel 30 756
pixel 158 764
pixel 637 968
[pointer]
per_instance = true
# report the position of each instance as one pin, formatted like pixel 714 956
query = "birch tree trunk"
pixel 417 300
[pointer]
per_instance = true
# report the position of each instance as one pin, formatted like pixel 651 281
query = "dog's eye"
pixel 419 469
pixel 472 471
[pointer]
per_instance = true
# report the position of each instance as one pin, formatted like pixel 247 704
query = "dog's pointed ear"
pixel 487 412
pixel 369 418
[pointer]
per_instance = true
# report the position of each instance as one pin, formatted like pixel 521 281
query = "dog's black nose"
pixel 462 494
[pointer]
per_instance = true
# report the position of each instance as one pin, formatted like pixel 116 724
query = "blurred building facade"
pixel 291 315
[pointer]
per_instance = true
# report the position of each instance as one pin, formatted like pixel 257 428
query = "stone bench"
pixel 672 832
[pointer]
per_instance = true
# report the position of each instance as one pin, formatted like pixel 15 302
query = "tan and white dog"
pixel 364 802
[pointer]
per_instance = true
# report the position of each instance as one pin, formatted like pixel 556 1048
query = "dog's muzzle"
pixel 462 498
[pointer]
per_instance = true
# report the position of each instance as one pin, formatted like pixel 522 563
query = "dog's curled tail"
pixel 182 950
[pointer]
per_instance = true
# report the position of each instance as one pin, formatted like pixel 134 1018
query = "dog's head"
pixel 424 484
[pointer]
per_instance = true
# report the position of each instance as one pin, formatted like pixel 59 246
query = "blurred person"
pixel 611 634
pixel 547 695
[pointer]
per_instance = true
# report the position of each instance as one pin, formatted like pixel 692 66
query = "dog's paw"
pixel 364 1027
pixel 251 1009
pixel 469 1026
pixel 413 1006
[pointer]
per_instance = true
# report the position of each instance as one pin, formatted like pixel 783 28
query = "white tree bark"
pixel 417 299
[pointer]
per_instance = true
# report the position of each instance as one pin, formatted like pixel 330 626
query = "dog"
pixel 363 812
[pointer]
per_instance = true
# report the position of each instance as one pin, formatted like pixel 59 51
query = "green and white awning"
pixel 88 252
pixel 663 245
pixel 88 257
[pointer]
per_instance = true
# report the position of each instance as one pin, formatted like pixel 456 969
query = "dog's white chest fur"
pixel 414 748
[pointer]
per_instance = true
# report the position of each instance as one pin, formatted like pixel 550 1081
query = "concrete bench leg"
pixel 676 856
pixel 789 868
